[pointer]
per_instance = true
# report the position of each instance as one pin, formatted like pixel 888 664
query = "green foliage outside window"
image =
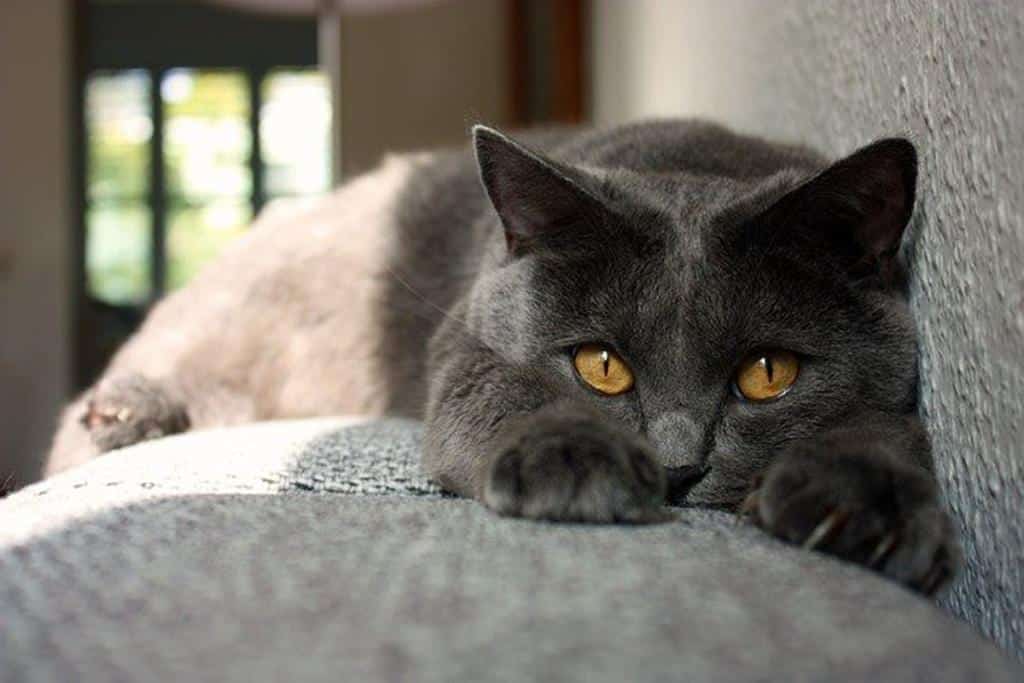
pixel 207 146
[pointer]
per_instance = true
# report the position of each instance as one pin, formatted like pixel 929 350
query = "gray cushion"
pixel 317 551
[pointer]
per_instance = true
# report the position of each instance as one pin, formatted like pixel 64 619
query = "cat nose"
pixel 677 440
pixel 681 479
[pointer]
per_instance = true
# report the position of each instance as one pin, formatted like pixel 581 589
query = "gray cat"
pixel 609 321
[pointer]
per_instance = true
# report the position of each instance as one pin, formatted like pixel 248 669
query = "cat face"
pixel 720 318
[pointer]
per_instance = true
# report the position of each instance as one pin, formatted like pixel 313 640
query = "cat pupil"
pixel 767 367
pixel 605 360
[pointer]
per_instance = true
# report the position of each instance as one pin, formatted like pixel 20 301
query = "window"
pixel 118 239
pixel 208 194
pixel 295 132
pixel 207 148
pixel 182 144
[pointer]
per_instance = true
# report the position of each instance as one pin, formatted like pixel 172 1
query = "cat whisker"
pixel 462 325
pixel 412 290
pixel 936 577
pixel 882 551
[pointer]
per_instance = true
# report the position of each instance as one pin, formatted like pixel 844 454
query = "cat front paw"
pixel 576 470
pixel 862 506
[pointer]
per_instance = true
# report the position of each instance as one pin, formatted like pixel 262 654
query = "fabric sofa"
pixel 316 550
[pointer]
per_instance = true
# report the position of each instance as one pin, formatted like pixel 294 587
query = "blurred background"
pixel 138 137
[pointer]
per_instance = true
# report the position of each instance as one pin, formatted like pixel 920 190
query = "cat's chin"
pixel 704 493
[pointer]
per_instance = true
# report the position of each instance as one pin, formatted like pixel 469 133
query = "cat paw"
pixel 576 470
pixel 131 408
pixel 863 507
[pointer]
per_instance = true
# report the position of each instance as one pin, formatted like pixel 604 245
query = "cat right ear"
pixel 537 200
pixel 858 208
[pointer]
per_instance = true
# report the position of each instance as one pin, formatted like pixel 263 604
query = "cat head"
pixel 723 318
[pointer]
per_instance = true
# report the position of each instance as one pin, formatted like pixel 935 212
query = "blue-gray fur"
pixel 689 247
pixel 680 244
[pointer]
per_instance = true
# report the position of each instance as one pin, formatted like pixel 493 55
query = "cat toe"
pixel 925 554
pixel 877 519
pixel 566 477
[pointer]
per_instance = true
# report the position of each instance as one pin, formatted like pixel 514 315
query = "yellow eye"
pixel 603 369
pixel 767 374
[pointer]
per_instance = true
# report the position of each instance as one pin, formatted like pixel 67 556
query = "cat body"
pixel 590 323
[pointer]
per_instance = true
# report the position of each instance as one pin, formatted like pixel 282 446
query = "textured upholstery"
pixel 316 550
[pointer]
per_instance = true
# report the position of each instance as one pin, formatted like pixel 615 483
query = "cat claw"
pixel 97 416
pixel 936 577
pixel 748 507
pixel 882 550
pixel 825 529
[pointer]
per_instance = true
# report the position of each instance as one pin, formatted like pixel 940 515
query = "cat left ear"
pixel 860 206
pixel 538 201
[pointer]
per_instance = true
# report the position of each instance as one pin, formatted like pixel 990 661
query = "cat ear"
pixel 859 206
pixel 537 200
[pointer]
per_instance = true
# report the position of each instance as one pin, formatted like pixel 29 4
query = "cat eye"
pixel 765 375
pixel 603 369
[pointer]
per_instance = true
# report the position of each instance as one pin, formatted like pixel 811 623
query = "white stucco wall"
pixel 837 75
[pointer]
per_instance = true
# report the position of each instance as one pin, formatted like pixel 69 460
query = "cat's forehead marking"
pixel 713 207
pixel 691 201
pixel 691 290
pixel 658 202
pixel 699 218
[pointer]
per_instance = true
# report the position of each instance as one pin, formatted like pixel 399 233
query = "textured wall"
pixel 837 74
